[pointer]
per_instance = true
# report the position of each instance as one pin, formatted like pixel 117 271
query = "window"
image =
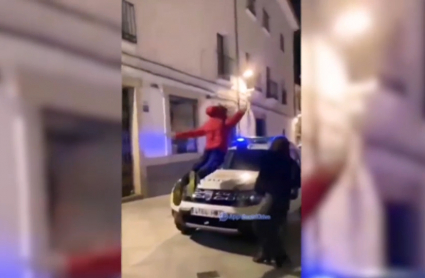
pixel 224 62
pixel 268 76
pixel 282 43
pixel 249 160
pixel 250 5
pixel 266 21
pixel 247 58
pixel 259 83
pixel 272 88
pixel 183 117
pixel 129 31
pixel 284 94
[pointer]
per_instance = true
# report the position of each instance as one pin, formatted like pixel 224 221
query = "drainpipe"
pixel 235 10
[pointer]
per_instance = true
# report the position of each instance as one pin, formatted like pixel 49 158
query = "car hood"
pixel 229 180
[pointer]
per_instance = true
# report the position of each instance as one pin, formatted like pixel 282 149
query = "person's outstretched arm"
pixel 234 120
pixel 190 134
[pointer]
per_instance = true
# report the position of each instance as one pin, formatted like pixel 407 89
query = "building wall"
pixel 176 50
pixel 265 49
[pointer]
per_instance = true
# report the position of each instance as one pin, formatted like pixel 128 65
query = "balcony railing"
pixel 224 66
pixel 272 89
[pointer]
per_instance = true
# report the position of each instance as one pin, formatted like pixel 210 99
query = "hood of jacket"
pixel 217 111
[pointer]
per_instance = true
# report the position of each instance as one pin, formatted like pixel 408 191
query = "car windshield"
pixel 244 159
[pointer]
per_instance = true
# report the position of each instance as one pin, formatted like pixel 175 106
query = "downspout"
pixel 235 11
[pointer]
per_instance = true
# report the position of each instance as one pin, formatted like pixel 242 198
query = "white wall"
pixel 183 35
pixel 264 48
pixel 153 139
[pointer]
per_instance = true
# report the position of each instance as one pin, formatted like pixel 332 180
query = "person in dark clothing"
pixel 278 181
pixel 217 131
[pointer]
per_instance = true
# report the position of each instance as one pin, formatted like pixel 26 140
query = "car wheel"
pixel 184 229
pixel 180 225
pixel 249 235
pixel 247 232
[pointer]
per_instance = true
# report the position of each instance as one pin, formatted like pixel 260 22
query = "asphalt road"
pixel 152 247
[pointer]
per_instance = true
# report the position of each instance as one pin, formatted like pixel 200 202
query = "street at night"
pixel 153 247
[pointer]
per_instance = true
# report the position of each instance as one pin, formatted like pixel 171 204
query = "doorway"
pixel 260 127
pixel 127 150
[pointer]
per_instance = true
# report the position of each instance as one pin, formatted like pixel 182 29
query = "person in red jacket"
pixel 217 131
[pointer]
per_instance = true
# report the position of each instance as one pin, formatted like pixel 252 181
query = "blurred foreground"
pixel 60 119
pixel 363 115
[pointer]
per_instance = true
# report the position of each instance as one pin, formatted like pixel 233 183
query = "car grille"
pixel 213 222
pixel 215 197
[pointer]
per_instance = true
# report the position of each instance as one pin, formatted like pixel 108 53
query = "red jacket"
pixel 314 190
pixel 105 264
pixel 217 129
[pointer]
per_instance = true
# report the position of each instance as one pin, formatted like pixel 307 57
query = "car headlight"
pixel 249 198
pixel 177 193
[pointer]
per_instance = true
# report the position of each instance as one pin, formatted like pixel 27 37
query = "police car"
pixel 227 191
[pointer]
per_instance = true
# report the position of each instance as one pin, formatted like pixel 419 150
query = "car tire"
pixel 247 232
pixel 180 225
pixel 184 230
pixel 249 235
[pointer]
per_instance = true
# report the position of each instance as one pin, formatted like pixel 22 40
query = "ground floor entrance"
pixel 127 154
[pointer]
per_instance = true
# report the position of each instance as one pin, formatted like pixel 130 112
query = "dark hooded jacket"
pixel 217 129
pixel 278 176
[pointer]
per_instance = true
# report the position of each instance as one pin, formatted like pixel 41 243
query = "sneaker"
pixel 192 183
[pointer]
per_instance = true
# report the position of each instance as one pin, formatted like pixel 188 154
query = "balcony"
pixel 224 66
pixel 272 90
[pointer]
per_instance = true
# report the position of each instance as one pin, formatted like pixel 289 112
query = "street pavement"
pixel 152 247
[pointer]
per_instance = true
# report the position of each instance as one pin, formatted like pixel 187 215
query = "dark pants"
pixel 269 232
pixel 208 163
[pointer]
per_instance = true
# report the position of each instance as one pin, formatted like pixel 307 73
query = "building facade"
pixel 178 57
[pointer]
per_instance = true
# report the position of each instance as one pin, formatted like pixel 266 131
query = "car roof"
pixel 256 143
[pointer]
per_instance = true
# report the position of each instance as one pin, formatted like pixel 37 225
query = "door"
pixel 260 127
pixel 127 158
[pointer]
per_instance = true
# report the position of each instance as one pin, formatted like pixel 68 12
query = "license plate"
pixel 206 212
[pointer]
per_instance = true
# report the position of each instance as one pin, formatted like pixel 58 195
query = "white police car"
pixel 228 191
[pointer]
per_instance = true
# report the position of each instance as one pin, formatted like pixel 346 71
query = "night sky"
pixel 297 42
